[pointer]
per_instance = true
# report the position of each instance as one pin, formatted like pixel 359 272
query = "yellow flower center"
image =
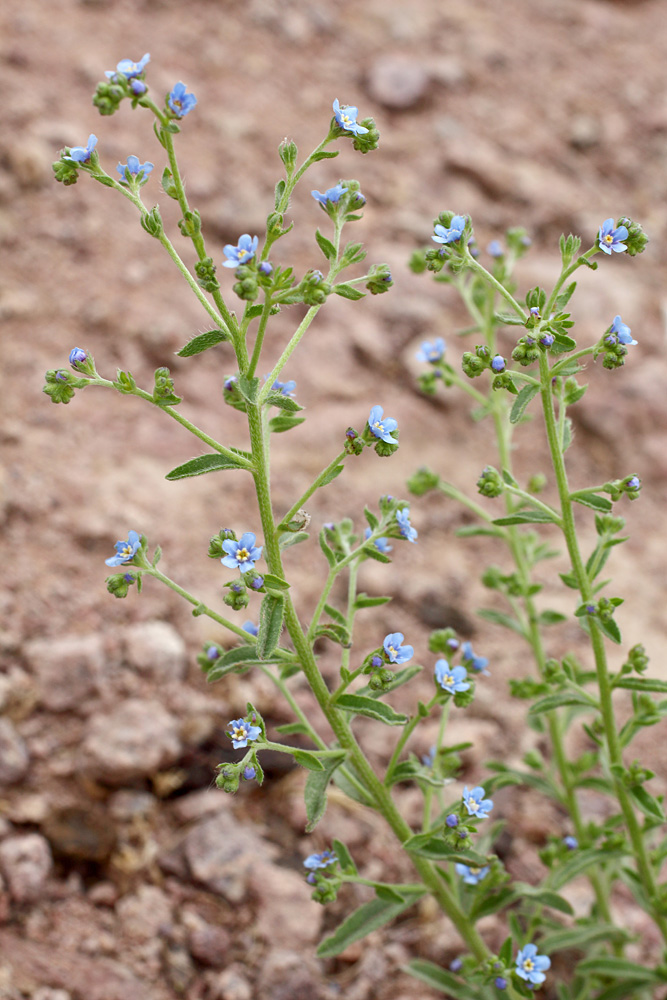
pixel 528 965
pixel 609 238
pixel 391 650
pixel 239 733
pixel 449 679
pixel 472 804
pixel 242 555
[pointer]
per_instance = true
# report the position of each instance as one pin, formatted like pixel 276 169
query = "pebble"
pixel 209 945
pixel 26 863
pixel 397 82
pixel 46 993
pixel 231 984
pixel 136 739
pixel 286 912
pixel 14 758
pixel 221 855
pixel 80 832
pixel 129 804
pixel 155 648
pixel 67 669
pixel 289 975
pixel 145 913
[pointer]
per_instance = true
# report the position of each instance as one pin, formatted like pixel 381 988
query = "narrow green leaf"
pixel 204 463
pixel 483 906
pixel 641 684
pixel 292 538
pixel 283 402
pixel 544 897
pixel 649 805
pixel 471 531
pixel 374 553
pixel 280 191
pixel 500 618
pixel 528 517
pixel 362 921
pixel 430 845
pixel 522 400
pixel 371 708
pixel 272 582
pixel 323 154
pixel 580 936
pixel 325 245
pixel 349 292
pixel 561 698
pixel 610 629
pixel 248 388
pixel 345 859
pixel 612 967
pixel 328 552
pixel 284 422
pixel 271 615
pixel 293 729
pixel 551 617
pixel 331 475
pixel 308 760
pixel 579 863
pixel 440 979
pixel 354 789
pixel 592 500
pixel 202 342
pixel 364 601
pixel 317 783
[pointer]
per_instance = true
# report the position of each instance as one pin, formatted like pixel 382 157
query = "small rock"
pixel 46 993
pixel 29 162
pixel 145 913
pixel 179 968
pixel 29 808
pixel 584 131
pixel 78 832
pixel 103 894
pixel 67 669
pixel 221 854
pixel 14 757
pixel 288 975
pixel 26 863
pixel 286 912
pixel 209 945
pixel 397 82
pixel 134 740
pixel 231 985
pixel 156 648
pixel 129 804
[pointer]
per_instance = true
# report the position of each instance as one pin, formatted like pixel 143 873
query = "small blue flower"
pixel 138 87
pixel 242 554
pixel 330 197
pixel 128 68
pixel 571 843
pixel 382 428
pixel 381 544
pixel 346 117
pixel 622 331
pixel 451 679
pixel 139 171
pixel 77 356
pixel 471 875
pixel 476 663
pixel 433 353
pixel 500 983
pixel 404 526
pixel 428 759
pixel 82 154
pixel 257 583
pixel 394 650
pixel 250 628
pixel 284 388
pixel 322 860
pixel 452 820
pixel 244 251
pixel 453 233
pixel 265 267
pixel 376 662
pixel 475 802
pixel 179 101
pixel 610 238
pixel 531 966
pixel 456 964
pixel 125 551
pixel 495 248
pixel 212 653
pixel 535 311
pixel 240 731
pixel 249 772
pixel 633 483
pixel 547 339
pixel 498 364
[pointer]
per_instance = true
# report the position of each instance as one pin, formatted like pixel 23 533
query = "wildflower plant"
pixel 452 850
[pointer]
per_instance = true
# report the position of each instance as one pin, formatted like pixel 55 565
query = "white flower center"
pixel 528 965
pixel 242 555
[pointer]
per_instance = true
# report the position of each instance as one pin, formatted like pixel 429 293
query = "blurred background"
pixel 124 875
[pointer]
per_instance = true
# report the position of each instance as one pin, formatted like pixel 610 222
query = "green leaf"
pixel 611 967
pixel 641 684
pixel 323 154
pixel 560 698
pixel 308 760
pixel 331 475
pixel 579 863
pixel 580 936
pixel 275 398
pixel 325 245
pixel 374 553
pixel 354 789
pixel 610 629
pixel 470 531
pixel 337 615
pixel 345 859
pixel 271 615
pixel 272 582
pixel 592 500
pixel 362 921
pixel 292 538
pixel 284 422
pixel 484 906
pixel 280 191
pixel 500 618
pixel 371 708
pixel 293 729
pixel 235 661
pixel 647 803
pixel 317 783
pixel 528 517
pixel 388 893
pixel 202 342
pixel 522 400
pixel 364 601
pixel 328 552
pixel 348 292
pixel 248 387
pixel 204 463
pixel 430 845
pixel 551 617
pixel 544 897
pixel 440 979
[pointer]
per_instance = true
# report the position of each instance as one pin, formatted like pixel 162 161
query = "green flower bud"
pixel 314 289
pixel 383 448
pixel 66 172
pixel 490 483
pixel 163 393
pixel 228 778
pixel 636 239
pixel 637 659
pixel 417 262
pixel 369 141
pixel 288 152
pixel 190 224
pixel 205 271
pixel 215 549
pixel 422 481
pixel 237 596
pixel 354 443
pixel 443 640
pixel 152 222
pixel 120 583
pixel 472 365
pixel 107 97
pixel 526 351
pixel 379 279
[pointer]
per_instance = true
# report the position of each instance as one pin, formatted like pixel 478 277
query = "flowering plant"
pixel 454 851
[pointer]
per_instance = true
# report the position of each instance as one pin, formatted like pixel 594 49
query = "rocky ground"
pixel 124 874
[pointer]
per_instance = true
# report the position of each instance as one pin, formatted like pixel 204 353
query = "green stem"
pixel 313 487
pixel 259 340
pixel 299 713
pixel 191 599
pixel 287 353
pixel 491 280
pixel 408 729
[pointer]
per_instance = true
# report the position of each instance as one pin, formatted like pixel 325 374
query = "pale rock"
pixel 155 648
pixel 286 912
pixel 145 913
pixel 397 82
pixel 26 863
pixel 135 740
pixel 14 758
pixel 221 854
pixel 67 669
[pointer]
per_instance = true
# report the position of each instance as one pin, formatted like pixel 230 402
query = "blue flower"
pixel 138 87
pixel 257 583
pixel 612 239
pixel 571 843
pixel 433 353
pixel 428 759
pixel 179 101
pixel 498 364
pixel 475 802
pixel 249 772
pixel 456 964
pixel 242 554
pixel 77 356
pixel 125 551
pixel 477 663
pixel 128 68
pixel 394 650
pixel 382 544
pixel 451 679
pixel 531 966
pixel 453 234
pixel 250 628
pixel 139 171
pixel 495 248
pixel 346 117
pixel 331 196
pixel 471 876
pixel 322 860
pixel 212 653
pixel 265 267
pixel 633 483
pixel 284 388
pixel 451 820
pixel 240 731
pixel 547 339
pixel 244 251
pixel 500 983
pixel 382 428
pixel 622 331
pixel 82 154
pixel 404 526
